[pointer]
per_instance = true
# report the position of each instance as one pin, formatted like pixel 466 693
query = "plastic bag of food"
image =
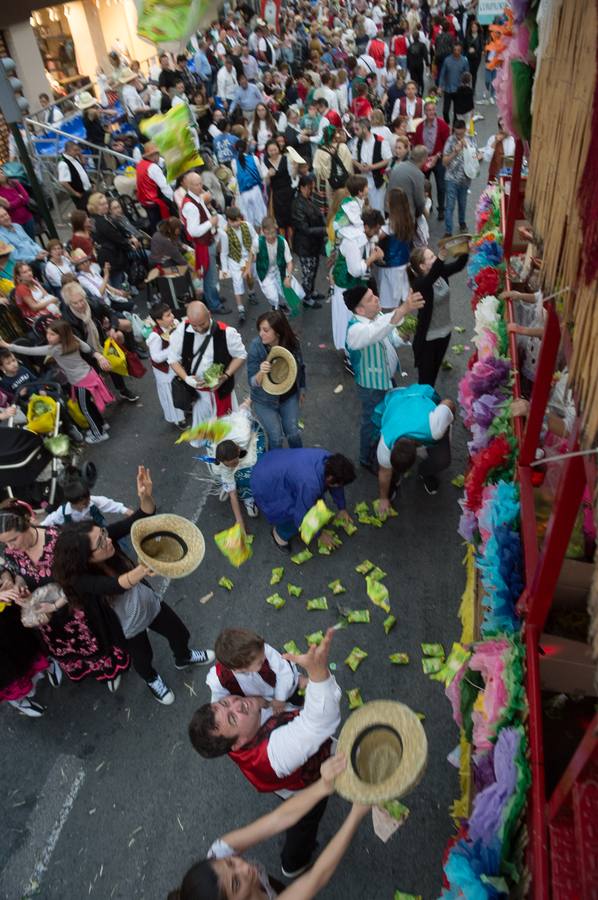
pixel 314 520
pixel 225 583
pixel 323 550
pixel 407 327
pixel 432 664
pixel 276 601
pixel 399 659
pixel 354 697
pixel 316 637
pixel 211 375
pixel 378 593
pixel 364 567
pixel 389 623
pixel 294 590
pixel 376 574
pixel 355 658
pixel 390 513
pixel 233 543
pixel 336 586
pixel 396 809
pixel 320 603
pixel 277 574
pixel 348 527
pixel 433 650
pixel 291 647
pixel 359 617
pixel 301 557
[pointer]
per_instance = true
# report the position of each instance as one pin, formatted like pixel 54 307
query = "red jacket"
pixel 442 135
pixel 148 192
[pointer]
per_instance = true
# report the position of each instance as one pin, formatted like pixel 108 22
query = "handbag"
pixel 471 164
pixel 134 365
pixel 184 396
pixel 338 172
pixel 115 356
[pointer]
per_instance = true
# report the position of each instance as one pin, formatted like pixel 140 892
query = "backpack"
pixel 338 173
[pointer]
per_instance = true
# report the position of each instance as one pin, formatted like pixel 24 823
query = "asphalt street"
pixel 104 797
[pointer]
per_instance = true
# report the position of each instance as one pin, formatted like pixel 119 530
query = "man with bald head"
pixel 201 225
pixel 196 343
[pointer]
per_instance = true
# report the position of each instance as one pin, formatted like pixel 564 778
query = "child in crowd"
pixel 433 95
pixel 238 248
pixel 464 102
pixel 80 505
pixel 158 345
pixel 274 266
pixel 16 380
pixel 248 667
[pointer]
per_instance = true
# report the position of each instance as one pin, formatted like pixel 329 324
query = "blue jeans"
pixel 210 282
pixel 455 193
pixel 280 422
pixel 369 399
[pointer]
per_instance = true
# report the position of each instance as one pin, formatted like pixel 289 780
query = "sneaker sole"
pixel 166 700
pixel 192 665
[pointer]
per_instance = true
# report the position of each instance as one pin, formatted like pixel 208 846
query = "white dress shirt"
pixel 380 330
pixel 224 245
pixel 226 83
pixel 103 504
pixel 190 216
pixel 132 100
pixel 157 175
pixel 253 685
pixel 234 344
pixel 64 173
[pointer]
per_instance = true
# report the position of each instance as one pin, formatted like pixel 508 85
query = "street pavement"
pixel 104 796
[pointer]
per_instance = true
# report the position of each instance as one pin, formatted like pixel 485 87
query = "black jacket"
pixel 309 227
pixel 112 242
pixel 425 285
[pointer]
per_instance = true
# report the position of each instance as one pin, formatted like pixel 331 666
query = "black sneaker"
pixel 463 227
pixel 441 215
pixel 242 317
pixel 196 658
pixel 312 303
pixel 348 366
pixel 252 298
pixel 221 311
pixel 318 297
pixel 129 396
pixel 161 691
pixel 431 484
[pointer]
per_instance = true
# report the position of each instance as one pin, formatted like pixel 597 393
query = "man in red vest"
pixel 433 133
pixel 201 224
pixel 153 191
pixel 278 752
pixel 410 105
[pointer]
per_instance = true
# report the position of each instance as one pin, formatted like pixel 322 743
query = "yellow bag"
pixel 76 414
pixel 41 414
pixel 116 357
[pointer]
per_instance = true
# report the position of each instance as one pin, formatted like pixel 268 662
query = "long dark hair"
pixel 15 515
pixel 241 150
pixel 279 323
pixel 200 883
pixel 68 341
pixel 72 558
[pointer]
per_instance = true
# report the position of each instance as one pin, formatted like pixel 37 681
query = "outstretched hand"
pixel 331 769
pixel 315 661
pixel 144 483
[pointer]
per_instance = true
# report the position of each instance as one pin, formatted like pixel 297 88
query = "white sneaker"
pixel 114 684
pixel 161 692
pixel 252 510
pixel 91 439
pixel 54 673
pixel 196 658
pixel 28 707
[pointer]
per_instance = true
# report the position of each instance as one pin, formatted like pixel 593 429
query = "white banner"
pixel 488 9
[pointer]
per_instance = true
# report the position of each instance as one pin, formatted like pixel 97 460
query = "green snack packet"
pixel 317 603
pixel 446 366
pixel 459 329
pixel 361 509
pixel 400 895
pixel 399 659
pixel 458 481
pixel 421 716
pixel 348 527
pixel 355 658
pixel 396 809
pixel 432 664
pixel 433 650
pixel 276 601
pixel 336 542
pixel 277 575
pixel 389 622
pixel 407 327
pixel 300 424
pixel 378 593
pixel 336 587
pixel 359 616
pixel 291 647
pixel 354 697
pixel 294 590
pixel 316 637
pixel 390 513
pixel 249 539
pixel 364 567
pixel 301 557
pixel 458 349
pixel 376 574
pixel 225 583
pixel 315 519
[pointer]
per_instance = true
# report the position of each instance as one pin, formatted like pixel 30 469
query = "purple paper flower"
pixel 489 804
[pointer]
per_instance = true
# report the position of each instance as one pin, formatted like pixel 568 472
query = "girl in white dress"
pixel 249 173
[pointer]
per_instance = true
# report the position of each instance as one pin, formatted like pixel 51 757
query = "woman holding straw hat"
pixel 276 406
pixel 226 875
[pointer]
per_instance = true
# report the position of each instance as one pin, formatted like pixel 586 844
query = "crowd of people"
pixel 320 136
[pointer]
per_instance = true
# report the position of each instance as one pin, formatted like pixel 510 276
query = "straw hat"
pixel 127 75
pixel 5 248
pixel 170 545
pixel 149 150
pixel 84 100
pixel 295 157
pixel 79 256
pixel 283 373
pixel 456 245
pixel 386 750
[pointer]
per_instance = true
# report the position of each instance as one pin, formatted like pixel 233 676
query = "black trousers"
pixel 438 457
pixel 449 99
pixel 300 840
pixel 168 624
pixel 431 358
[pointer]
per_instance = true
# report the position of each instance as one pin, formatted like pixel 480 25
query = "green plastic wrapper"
pixel 291 647
pixel 317 603
pixel 348 527
pixel 432 664
pixel 212 374
pixel 214 430
pixel 458 481
pixel 399 659
pixel 376 574
pixel 294 590
pixel 433 650
pixel 314 520
pixel 301 557
pixel 458 349
pixel 171 133
pixel 459 329
pixel 355 658
pixel 277 575
pixel 233 543
pixel 378 593
pixel 364 567
pixel 276 601
pixel 389 623
pixel 336 542
pixel 401 895
pixel 396 809
pixel 316 637
pixel 390 513
pixel 421 716
pixel 362 509
pixel 446 366
pixel 354 697
pixel 336 586
pixel 407 327
pixel 225 583
pixel 359 617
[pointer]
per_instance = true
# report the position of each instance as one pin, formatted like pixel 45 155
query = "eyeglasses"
pixel 102 540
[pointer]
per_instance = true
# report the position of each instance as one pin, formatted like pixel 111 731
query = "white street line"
pixel 27 866
pixel 161 592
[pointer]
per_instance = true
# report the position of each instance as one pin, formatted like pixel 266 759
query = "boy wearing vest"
pixel 274 266
pixel 248 667
pixel 238 249
pixel 80 506
pixel 409 418
pixel 72 175
pixel 278 752
pixel 158 345
pixel 372 155
pixel 372 343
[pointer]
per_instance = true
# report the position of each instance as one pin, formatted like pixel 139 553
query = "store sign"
pixel 489 9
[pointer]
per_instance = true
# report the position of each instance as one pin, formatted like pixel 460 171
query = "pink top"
pixel 17 198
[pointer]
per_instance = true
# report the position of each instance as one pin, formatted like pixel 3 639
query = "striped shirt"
pixel 371 345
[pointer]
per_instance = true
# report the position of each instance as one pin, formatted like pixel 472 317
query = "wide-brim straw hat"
pixel 386 750
pixel 283 374
pixel 5 248
pixel 456 245
pixel 295 157
pixel 127 75
pixel 85 100
pixel 170 545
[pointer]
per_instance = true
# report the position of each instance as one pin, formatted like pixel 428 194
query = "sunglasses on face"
pixel 102 540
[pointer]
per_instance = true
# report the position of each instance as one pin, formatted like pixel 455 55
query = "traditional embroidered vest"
pixel 418 108
pixel 405 412
pixel 262 262
pixel 370 364
pixel 340 273
pixel 94 514
pixel 377 174
pixel 227 678
pixel 147 189
pixel 221 354
pixel 76 180
pixel 252 759
pixel 162 366
pixel 235 246
pixel 207 238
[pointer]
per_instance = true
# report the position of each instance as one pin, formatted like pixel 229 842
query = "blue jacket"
pixel 256 355
pixel 286 483
pixel 450 74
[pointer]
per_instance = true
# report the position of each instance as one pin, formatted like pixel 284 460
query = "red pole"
pixel 537 810
pixel 542 385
